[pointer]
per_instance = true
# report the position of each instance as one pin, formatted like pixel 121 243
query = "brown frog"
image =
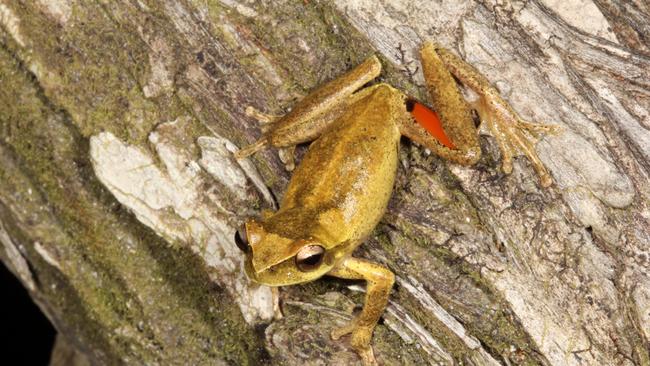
pixel 340 190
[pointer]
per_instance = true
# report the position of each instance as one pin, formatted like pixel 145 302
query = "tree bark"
pixel 119 197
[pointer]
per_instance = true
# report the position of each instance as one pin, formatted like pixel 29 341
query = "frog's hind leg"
pixel 513 134
pixel 314 113
pixel 265 121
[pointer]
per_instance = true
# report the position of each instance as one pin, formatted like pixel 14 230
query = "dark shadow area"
pixel 28 335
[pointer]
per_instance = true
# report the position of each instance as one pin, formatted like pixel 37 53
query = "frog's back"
pixel 350 169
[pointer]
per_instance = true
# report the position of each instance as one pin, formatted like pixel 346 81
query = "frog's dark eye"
pixel 241 239
pixel 310 257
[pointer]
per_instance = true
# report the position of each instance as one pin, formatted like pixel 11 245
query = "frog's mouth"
pixel 250 271
pixel 284 274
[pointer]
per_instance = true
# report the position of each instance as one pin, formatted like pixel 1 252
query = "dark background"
pixel 28 335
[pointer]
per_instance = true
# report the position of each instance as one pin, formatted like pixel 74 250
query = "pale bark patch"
pixel 10 22
pixel 168 201
pixel 61 10
pixel 584 15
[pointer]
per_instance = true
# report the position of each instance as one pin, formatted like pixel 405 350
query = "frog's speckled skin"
pixel 340 190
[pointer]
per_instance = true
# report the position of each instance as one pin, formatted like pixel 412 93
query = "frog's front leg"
pixel 313 114
pixel 379 283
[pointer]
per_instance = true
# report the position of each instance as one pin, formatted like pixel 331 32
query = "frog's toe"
pixel 261 117
pixel 367 357
pixel 525 144
pixel 538 128
pixel 287 156
pixel 249 150
pixel 506 164
pixel 505 146
pixel 337 333
pixel 360 341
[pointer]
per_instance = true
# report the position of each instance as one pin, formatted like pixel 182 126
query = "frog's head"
pixel 274 260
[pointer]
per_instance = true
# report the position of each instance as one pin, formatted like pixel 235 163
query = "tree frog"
pixel 340 190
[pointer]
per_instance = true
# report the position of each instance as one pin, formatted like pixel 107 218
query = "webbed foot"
pixel 359 340
pixel 513 135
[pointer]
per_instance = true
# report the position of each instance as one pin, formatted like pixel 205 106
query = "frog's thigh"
pixel 379 283
pixel 455 115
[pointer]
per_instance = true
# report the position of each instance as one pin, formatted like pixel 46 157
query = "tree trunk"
pixel 119 197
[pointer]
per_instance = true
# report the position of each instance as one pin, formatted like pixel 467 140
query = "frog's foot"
pixel 286 154
pixel 513 135
pixel 266 121
pixel 360 341
pixel 337 333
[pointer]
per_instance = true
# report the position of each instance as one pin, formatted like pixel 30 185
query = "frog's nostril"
pixel 242 240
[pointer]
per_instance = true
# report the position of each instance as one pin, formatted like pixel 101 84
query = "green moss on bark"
pixel 118 281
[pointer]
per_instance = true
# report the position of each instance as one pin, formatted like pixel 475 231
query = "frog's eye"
pixel 241 239
pixel 309 257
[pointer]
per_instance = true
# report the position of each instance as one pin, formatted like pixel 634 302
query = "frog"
pixel 339 192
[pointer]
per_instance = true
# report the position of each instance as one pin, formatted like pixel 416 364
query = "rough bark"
pixel 119 197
